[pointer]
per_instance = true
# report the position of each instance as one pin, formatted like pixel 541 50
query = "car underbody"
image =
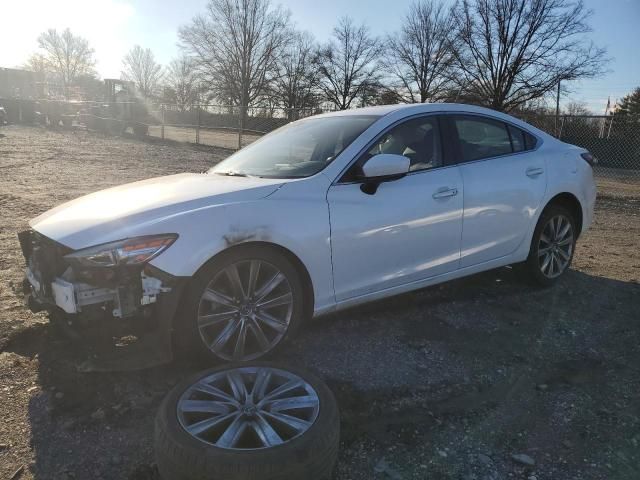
pixel 101 306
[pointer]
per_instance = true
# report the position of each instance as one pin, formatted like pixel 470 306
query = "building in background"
pixel 17 83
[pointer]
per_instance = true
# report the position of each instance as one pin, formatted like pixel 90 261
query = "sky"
pixel 114 26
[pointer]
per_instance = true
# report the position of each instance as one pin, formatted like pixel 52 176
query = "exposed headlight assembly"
pixel 130 251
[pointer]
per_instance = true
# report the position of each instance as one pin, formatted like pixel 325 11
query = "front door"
pixel 406 231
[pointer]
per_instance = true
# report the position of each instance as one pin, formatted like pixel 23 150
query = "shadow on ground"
pixel 447 382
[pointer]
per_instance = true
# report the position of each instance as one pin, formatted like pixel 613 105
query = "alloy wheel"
pixel 245 310
pixel 248 408
pixel 555 246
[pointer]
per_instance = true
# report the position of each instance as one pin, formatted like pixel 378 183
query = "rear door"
pixel 504 183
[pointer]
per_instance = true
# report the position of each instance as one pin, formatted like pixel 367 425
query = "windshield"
pixel 300 149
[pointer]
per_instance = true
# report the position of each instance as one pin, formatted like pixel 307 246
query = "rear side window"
pixel 521 140
pixel 530 141
pixel 517 139
pixel 481 137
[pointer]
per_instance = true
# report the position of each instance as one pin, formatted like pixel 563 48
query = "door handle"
pixel 445 192
pixel 533 172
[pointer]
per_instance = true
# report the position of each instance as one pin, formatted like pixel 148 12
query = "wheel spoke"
pixel 558 222
pixel 566 241
pixel 281 390
pixel 254 271
pixel 270 286
pixel 291 403
pixel 227 332
pixel 237 385
pixel 284 299
pixel 563 233
pixel 214 318
pixel 294 422
pixel 262 339
pixel 207 424
pixel 238 351
pixel 543 251
pixel 271 321
pixel 234 279
pixel 219 298
pixel 260 385
pixel 214 392
pixel 232 433
pixel 552 228
pixel 563 254
pixel 268 436
pixel 545 262
pixel 545 239
pixel 204 406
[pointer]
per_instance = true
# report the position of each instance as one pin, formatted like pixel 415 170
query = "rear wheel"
pixel 552 246
pixel 244 305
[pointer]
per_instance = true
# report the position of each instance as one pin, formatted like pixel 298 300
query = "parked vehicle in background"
pixel 322 214
pixel 3 115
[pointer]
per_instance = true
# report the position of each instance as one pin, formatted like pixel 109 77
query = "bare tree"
pixel 295 85
pixel 420 55
pixel 183 82
pixel 348 63
pixel 67 55
pixel 512 51
pixel 235 45
pixel 38 64
pixel 577 109
pixel 140 67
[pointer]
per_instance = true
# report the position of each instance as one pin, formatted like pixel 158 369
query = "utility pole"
pixel 557 108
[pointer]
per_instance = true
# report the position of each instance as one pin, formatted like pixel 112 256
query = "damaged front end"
pixel 107 292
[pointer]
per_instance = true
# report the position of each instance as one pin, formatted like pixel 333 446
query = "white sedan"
pixel 322 214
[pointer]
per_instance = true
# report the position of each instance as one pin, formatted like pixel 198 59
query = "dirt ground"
pixel 457 381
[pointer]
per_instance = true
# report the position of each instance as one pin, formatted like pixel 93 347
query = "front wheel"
pixel 552 246
pixel 243 305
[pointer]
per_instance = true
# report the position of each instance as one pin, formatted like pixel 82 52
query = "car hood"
pixel 137 208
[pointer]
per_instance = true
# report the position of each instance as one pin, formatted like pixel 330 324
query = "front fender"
pixel 296 217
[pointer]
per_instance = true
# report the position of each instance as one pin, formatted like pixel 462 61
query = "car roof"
pixel 381 110
pixel 417 108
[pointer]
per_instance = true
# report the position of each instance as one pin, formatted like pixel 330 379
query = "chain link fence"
pixel 614 140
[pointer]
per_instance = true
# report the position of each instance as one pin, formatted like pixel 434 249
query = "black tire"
pixel 310 456
pixel 186 334
pixel 530 270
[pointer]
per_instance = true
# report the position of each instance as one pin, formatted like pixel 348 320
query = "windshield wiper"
pixel 231 173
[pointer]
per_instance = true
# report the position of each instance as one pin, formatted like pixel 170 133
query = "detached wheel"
pixel 552 246
pixel 258 422
pixel 243 305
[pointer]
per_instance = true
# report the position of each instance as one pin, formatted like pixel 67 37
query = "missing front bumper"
pixel 140 302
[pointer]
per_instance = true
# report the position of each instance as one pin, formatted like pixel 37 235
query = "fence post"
pixel 240 125
pixel 162 128
pixel 198 127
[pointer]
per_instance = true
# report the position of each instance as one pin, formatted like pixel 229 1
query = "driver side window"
pixel 417 139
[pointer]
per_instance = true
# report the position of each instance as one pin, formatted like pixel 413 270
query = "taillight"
pixel 590 159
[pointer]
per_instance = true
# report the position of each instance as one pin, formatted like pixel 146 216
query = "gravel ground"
pixel 481 378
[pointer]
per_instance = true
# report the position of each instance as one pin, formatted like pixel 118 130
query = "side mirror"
pixel 385 166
